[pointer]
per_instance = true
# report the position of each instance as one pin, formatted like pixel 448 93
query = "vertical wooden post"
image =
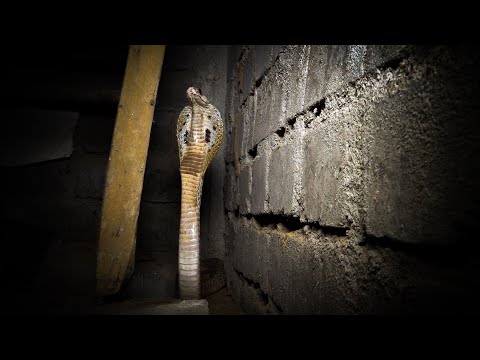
pixel 126 167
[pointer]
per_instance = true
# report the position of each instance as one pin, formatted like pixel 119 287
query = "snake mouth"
pixel 194 95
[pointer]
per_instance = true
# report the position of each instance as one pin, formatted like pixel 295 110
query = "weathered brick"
pixel 290 278
pixel 418 136
pixel 281 179
pixel 303 272
pixel 293 62
pixel 331 67
pixel 245 187
pixel 263 59
pixel 248 73
pixel 326 71
pixel 250 255
pixel 276 49
pixel 247 121
pixel 259 183
pixel 231 192
pixel 229 119
pixel 378 55
pixel 234 52
pixel 269 108
pixel 325 159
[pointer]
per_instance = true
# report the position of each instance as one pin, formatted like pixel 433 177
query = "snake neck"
pixel 192 172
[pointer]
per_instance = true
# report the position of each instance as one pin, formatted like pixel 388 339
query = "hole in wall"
pixel 253 152
pixel 261 295
pixel 292 122
pixel 318 107
pixel 281 132
pixel 293 224
pixel 392 64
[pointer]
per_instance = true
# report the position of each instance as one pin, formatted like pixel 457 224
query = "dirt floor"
pixel 221 303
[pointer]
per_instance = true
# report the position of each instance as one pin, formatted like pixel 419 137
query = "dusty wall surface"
pixel 350 178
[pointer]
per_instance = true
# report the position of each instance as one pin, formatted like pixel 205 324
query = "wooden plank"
pixel 126 167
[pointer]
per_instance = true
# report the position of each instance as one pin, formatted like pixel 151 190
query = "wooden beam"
pixel 126 167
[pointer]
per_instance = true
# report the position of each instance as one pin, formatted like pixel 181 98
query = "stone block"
pixel 325 160
pixel 263 59
pixel 259 185
pixel 269 108
pixel 293 63
pixel 245 189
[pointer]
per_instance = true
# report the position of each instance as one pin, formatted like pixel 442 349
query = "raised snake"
pixel 199 135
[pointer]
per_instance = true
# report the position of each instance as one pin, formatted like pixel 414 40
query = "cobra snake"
pixel 199 135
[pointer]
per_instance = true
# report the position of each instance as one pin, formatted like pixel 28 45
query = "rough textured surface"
pixel 307 272
pixel 423 149
pixel 244 189
pixel 362 195
pixel 259 185
pixel 332 66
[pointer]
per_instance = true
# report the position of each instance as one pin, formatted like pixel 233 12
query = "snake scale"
pixel 199 135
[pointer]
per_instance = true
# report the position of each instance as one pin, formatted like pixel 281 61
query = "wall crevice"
pixel 263 297
pixel 290 223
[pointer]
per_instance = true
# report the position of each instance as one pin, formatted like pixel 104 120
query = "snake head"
pixel 195 97
pixel 199 123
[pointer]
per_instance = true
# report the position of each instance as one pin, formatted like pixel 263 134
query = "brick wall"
pixel 350 178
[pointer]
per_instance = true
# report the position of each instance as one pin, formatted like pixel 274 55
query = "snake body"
pixel 199 135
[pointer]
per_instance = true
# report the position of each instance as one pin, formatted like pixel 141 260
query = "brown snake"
pixel 199 135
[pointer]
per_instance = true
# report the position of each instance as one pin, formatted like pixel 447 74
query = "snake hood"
pixel 199 123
